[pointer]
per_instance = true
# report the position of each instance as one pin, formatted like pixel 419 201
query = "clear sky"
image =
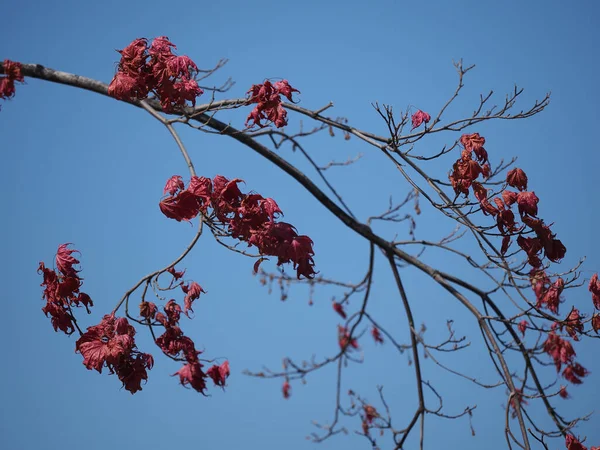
pixel 86 169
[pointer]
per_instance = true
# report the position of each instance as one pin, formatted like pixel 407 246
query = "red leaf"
pixel 286 388
pixel 191 374
pixel 517 179
pixel 527 202
pixel 219 373
pixel 192 293
pixel 418 118
pixel 174 184
pixel 523 326
pixel 184 206
pixel 65 262
pixel 339 308
pixel 376 335
pixel 284 88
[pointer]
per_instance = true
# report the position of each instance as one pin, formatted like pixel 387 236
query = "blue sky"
pixel 86 169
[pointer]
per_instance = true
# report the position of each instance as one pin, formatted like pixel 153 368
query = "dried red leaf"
pixel 176 274
pixel 376 335
pixel 370 413
pixel 219 373
pixel 131 371
pixel 192 292
pixel 596 322
pixel 517 179
pixel 144 69
pixel 527 202
pixel 191 374
pixel 183 206
pixel 345 341
pixel 573 324
pixel 523 326
pixel 572 443
pixel 286 388
pixel 173 185
pixel 509 197
pixel 594 288
pixel 339 308
pixel 472 141
pixel 148 310
pixel 174 343
pixel 269 107
pixel 574 373
pixel 12 73
pixel 284 88
pixel 65 262
pixel 419 117
pixel 563 392
pixel 105 344
pixel 173 312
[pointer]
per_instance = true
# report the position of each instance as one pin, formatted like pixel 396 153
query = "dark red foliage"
pixel 192 292
pixel 102 346
pixel 201 187
pixel 268 103
pixel 219 373
pixel 573 324
pixel 148 310
pixel 506 221
pixel 370 413
pixel 176 275
pixel 419 117
pixel 527 202
pixel 596 322
pixel 248 217
pixel 517 179
pixel 183 206
pixel 472 142
pixel 133 370
pixel 523 326
pixel 284 88
pixel 594 288
pixel 61 290
pixel 547 293
pixel 339 308
pixel 552 296
pixel 574 373
pixel 174 343
pixel 155 69
pixel 286 388
pixel 532 247
pixel 192 374
pixel 465 171
pixel 481 194
pixel 173 312
pixel 173 185
pixel 345 341
pixel 65 262
pixel 509 197
pixel 111 344
pixel 562 352
pixel 376 335
pixel 12 73
pixel 572 443
pixel 554 249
